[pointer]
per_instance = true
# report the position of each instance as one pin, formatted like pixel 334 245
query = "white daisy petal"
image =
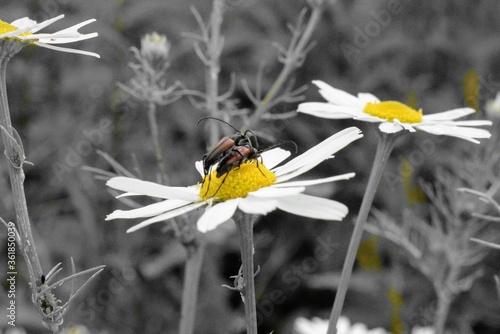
pixel 322 151
pixel 448 115
pixel 26 22
pixel 390 127
pixel 463 123
pixel 257 206
pixel 199 167
pixel 274 157
pixel 39 26
pixel 75 28
pixel 405 126
pixel 306 183
pixel 312 207
pixel 65 40
pixel 152 189
pixel 327 110
pixel 337 96
pixel 217 214
pixel 368 118
pixel 368 98
pixel 68 50
pixel 274 192
pixel 23 25
pixel 456 131
pixel 280 179
pixel 166 216
pixel 148 210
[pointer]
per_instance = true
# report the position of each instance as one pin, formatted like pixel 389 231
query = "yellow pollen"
pixel 6 27
pixel 391 110
pixel 250 176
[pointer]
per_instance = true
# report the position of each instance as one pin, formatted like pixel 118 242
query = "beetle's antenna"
pixel 217 119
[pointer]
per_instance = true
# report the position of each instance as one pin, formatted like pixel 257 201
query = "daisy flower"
pixel 319 326
pixel 394 116
pixel 25 30
pixel 256 187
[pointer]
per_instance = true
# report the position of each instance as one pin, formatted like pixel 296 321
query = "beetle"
pixel 232 151
pixel 239 155
pixel 223 148
pixel 236 156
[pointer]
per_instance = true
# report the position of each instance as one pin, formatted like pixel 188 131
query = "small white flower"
pixel 394 116
pixel 255 188
pixel 493 107
pixel 25 30
pixel 155 47
pixel 320 326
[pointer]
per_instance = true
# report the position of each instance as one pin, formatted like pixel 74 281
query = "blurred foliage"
pixel 66 107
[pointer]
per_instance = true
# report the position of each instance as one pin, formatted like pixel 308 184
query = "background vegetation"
pixel 436 55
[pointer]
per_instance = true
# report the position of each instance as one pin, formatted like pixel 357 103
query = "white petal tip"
pixel 133 229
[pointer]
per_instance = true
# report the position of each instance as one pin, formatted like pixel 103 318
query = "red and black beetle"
pixel 224 147
pixel 235 157
pixel 232 151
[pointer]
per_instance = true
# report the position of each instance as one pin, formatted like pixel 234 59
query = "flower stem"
pixel 384 149
pixel 153 125
pixel 445 297
pixel 292 61
pixel 214 45
pixel 442 312
pixel 244 223
pixel 192 270
pixel 15 155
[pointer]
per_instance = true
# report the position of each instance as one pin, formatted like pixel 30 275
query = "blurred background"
pixel 434 55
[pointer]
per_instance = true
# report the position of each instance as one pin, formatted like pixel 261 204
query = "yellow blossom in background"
pixel 413 194
pixel 396 301
pixel 471 89
pixel 368 257
pixel 411 99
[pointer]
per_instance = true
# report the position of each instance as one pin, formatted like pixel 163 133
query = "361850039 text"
pixel 11 273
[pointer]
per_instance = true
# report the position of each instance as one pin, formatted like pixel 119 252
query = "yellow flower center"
pixel 250 176
pixel 6 27
pixel 390 110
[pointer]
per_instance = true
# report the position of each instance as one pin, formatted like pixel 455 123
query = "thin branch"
pixel 292 58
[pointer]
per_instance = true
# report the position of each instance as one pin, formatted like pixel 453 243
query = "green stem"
pixel 155 135
pixel 384 149
pixel 14 152
pixel 244 223
pixel 192 271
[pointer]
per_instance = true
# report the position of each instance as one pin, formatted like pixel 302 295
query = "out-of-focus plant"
pixel 438 241
pixel 495 244
pixel 13 37
pixel 209 45
pixel 150 85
